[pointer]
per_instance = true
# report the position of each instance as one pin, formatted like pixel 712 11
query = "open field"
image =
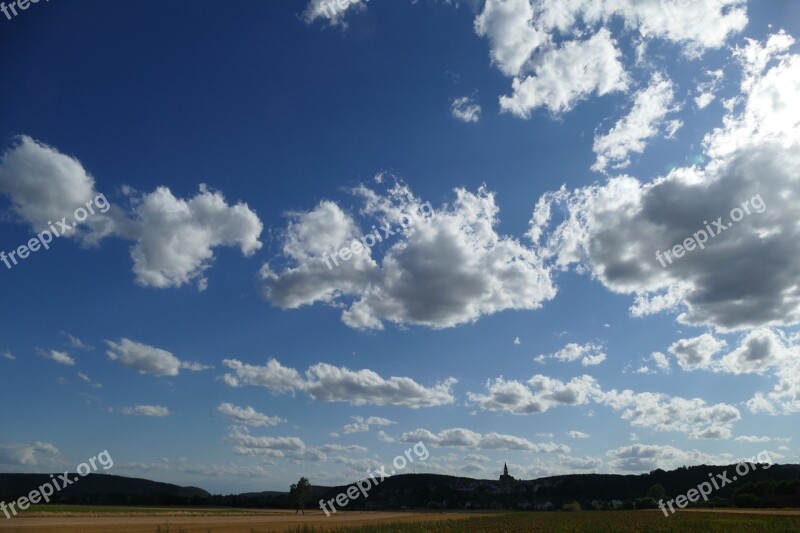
pixel 205 520
pixel 249 521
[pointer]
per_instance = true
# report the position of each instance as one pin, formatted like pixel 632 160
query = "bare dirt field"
pixel 260 522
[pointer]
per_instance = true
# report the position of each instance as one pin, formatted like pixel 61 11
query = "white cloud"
pixel 468 439
pixel 631 133
pixel 661 412
pixel 508 24
pixel 248 416
pixel 8 355
pixel 706 91
pixel 332 11
pixel 517 341
pixel 343 448
pixel 290 447
pixel 174 238
pixel 590 354
pixel 86 379
pixel 517 398
pixel 58 357
pixel 75 342
pixel 328 383
pixel 566 75
pixel 28 455
pixel 697 352
pixel 578 434
pixel 449 268
pixel 613 230
pixel 465 109
pixel 146 359
pixel 362 424
pixel 645 458
pixel 158 411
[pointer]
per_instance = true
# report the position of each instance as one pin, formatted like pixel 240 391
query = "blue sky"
pixel 192 329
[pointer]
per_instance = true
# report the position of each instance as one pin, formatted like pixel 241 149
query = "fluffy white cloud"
pixel 631 133
pixel 744 276
pixel 144 358
pixel 328 383
pixel 332 11
pixel 590 354
pixel 465 109
pixel 578 434
pixel 524 38
pixel 244 442
pixel 174 238
pixel 644 458
pixel 517 398
pixel 362 424
pixel 468 439
pixel 672 413
pixel 697 352
pixel 248 416
pixel 59 357
pixel 565 75
pixel 28 455
pixel 647 409
pixel 343 448
pixel 158 411
pixel 508 24
pixel 446 269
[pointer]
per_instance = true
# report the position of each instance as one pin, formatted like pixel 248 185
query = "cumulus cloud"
pixel 508 24
pixel 288 447
pixel 329 383
pixel 144 358
pixel 465 109
pixel 334 12
pixel 28 455
pixel 158 411
pixel 59 357
pixel 697 352
pixel 631 133
pixel 538 42
pixel 645 458
pixel 248 416
pixel 577 435
pixel 543 394
pixel 173 238
pixel 446 269
pixel 362 424
pixel 744 277
pixel 657 411
pixel 590 354
pixel 568 74
pixel 661 412
pixel 468 439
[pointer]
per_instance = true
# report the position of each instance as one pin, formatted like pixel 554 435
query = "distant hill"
pixel 777 486
pixel 590 490
pixel 102 489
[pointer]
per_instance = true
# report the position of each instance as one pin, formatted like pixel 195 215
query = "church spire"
pixel 505 469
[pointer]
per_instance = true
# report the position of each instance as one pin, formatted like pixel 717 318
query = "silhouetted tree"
pixel 300 493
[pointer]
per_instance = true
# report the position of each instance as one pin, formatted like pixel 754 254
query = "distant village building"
pixel 505 479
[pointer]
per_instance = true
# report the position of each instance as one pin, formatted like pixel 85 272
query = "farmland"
pixel 71 520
